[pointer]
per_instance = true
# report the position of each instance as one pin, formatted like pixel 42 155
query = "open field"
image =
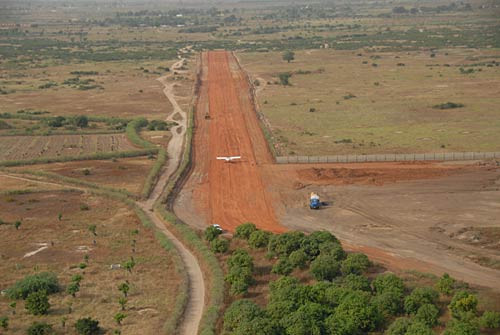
pixel 389 108
pixel 30 147
pixel 123 173
pixel 68 240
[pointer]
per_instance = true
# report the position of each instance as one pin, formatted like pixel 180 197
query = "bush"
pixel 448 105
pixel 388 282
pixel 462 304
pixel 240 311
pixel 240 268
pixel 325 267
pixel 399 326
pixel 490 319
pixel 334 249
pixel 284 244
pixel 418 297
pixel 283 267
pixel 259 239
pixel 87 326
pixel 4 322
pixel 219 245
pixel 81 121
pixel 211 233
pixel 445 284
pixel 419 328
pixel 307 319
pixel 427 314
pixel 355 263
pixel 40 328
pixel 389 303
pixel 244 231
pixel 37 303
pixel 298 259
pixel 285 78
pixel 356 282
pixel 462 327
pixel 42 281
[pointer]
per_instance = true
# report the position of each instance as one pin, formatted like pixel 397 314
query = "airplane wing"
pixel 223 158
pixel 235 157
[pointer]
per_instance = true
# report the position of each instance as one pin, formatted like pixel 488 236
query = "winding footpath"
pixel 196 286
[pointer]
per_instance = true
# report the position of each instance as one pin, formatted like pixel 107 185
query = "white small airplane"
pixel 228 158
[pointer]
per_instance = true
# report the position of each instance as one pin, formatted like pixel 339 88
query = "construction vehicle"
pixel 314 202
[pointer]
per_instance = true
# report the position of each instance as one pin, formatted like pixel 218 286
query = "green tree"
pixel 427 314
pixel 129 265
pixel 283 266
pixel 239 312
pixel 318 241
pixel 356 282
pixel 219 245
pixel 462 304
pixel 244 231
pixel 119 317
pixel 37 303
pixel 40 328
pixel 284 244
pixel 4 322
pixel 389 303
pixel 81 121
pixel 355 263
pixel 87 326
pixel 462 327
pixel 298 259
pixel 17 225
pixel 388 282
pixel 445 284
pixel 259 239
pixel 77 278
pixel 334 249
pixel 306 320
pixel 284 78
pixel 211 233
pixel 325 267
pixel 490 319
pixel 93 229
pixel 399 326
pixel 73 288
pixel 418 297
pixel 41 281
pixel 124 288
pixel 13 305
pixel 419 328
pixel 288 56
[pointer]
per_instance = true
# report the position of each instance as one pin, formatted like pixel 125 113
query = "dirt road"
pixel 226 125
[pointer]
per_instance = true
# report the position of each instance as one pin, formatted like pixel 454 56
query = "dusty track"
pixel 230 193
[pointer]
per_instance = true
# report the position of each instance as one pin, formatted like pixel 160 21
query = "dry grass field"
pixel 30 147
pixel 68 241
pixel 379 102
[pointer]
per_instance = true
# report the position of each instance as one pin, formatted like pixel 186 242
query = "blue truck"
pixel 314 202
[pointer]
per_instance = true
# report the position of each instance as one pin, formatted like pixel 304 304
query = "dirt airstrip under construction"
pixel 434 217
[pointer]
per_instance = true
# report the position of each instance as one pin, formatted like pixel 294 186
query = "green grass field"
pixel 379 102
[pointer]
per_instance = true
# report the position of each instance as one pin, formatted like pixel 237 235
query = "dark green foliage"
pixel 355 263
pixel 325 267
pixel 283 266
pixel 241 311
pixel 37 303
pixel 219 245
pixel 87 326
pixel 334 249
pixel 388 282
pixel 158 125
pixel 419 328
pixel 81 121
pixel 462 327
pixel 445 284
pixel 56 122
pixel 307 320
pixel 41 281
pixel 356 282
pixel 211 233
pixel 298 259
pixel 448 105
pixel 418 297
pixel 119 317
pixel 320 241
pixel 73 289
pixel 240 268
pixel 284 244
pixel 428 314
pixel 40 328
pixel 353 315
pixel 284 78
pixel 124 288
pixel 399 326
pixel 490 319
pixel 286 296
pixel 389 303
pixel 4 322
pixel 259 239
pixel 245 230
pixel 288 56
pixel 463 304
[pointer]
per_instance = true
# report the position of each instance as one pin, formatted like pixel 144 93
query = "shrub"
pixel 211 233
pixel 356 282
pixel 445 284
pixel 419 328
pixel 288 56
pixel 240 266
pixel 81 121
pixel 4 322
pixel 399 326
pixel 42 281
pixel 37 303
pixel 40 328
pixel 298 259
pixel 284 78
pixel 462 304
pixel 462 327
pixel 87 326
pixel 490 319
pixel 355 263
pixel 427 314
pixel 448 105
pixel 325 267
pixel 244 231
pixel 219 245
pixel 388 282
pixel 418 297
pixel 283 267
pixel 284 244
pixel 73 288
pixel 259 239
pixel 333 249
pixel 389 303
pixel 307 319
pixel 241 311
